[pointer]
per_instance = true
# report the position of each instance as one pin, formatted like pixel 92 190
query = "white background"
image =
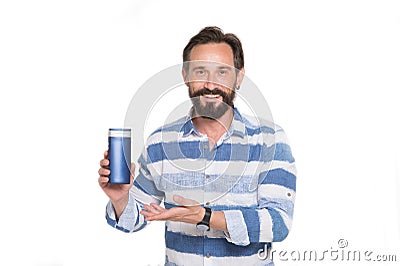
pixel 68 70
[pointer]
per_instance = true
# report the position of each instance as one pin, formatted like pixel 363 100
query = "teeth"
pixel 211 96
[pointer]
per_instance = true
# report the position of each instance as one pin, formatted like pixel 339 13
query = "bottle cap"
pixel 119 132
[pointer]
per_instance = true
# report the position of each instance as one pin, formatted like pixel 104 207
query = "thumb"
pixel 133 167
pixel 184 201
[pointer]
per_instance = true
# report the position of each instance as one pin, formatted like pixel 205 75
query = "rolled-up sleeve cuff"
pixel 237 229
pixel 128 218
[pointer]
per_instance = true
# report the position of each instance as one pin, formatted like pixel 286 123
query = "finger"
pixel 146 213
pixel 154 217
pixel 103 181
pixel 104 172
pixel 165 215
pixel 151 209
pixel 157 207
pixel 106 154
pixel 159 216
pixel 104 162
pixel 149 216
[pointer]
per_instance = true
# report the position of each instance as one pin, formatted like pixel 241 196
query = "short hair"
pixel 216 35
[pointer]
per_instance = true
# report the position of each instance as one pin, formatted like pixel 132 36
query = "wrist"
pixel 120 204
pixel 120 199
pixel 218 221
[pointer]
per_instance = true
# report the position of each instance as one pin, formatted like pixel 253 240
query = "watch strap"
pixel 206 218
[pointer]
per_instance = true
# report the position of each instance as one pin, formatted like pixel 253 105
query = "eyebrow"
pixel 204 67
pixel 199 67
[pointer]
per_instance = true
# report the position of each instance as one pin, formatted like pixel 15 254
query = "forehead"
pixel 213 52
pixel 208 65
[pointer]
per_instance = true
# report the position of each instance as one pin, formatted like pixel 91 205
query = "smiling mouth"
pixel 211 96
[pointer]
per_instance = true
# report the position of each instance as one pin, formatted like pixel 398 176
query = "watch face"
pixel 202 227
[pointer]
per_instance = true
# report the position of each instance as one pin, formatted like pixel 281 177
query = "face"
pixel 212 78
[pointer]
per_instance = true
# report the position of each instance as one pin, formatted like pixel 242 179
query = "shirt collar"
pixel 188 127
pixel 237 127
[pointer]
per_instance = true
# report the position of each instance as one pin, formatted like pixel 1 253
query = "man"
pixel 227 184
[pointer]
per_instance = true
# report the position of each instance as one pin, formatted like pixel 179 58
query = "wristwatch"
pixel 204 225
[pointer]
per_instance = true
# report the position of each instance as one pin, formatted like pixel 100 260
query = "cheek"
pixel 227 90
pixel 195 86
pixel 228 85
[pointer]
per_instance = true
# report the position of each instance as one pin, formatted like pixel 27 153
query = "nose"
pixel 211 83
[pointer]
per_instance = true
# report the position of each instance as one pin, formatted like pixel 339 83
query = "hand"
pixel 116 192
pixel 190 211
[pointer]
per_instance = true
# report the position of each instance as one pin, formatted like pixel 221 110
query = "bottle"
pixel 119 155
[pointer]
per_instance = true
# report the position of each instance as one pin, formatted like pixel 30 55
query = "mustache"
pixel 204 91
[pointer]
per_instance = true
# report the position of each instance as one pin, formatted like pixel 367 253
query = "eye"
pixel 222 72
pixel 200 72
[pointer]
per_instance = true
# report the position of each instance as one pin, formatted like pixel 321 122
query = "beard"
pixel 211 110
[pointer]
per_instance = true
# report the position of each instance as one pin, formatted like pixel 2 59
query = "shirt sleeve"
pixel 143 191
pixel 271 220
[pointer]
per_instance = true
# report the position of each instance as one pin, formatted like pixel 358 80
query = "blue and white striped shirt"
pixel 249 174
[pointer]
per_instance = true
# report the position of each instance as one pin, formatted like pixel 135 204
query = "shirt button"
pixel 207 203
pixel 208 255
pixel 205 147
pixel 207 176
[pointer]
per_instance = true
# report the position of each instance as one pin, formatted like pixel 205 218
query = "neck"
pixel 214 128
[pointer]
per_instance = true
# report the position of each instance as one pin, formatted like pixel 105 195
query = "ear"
pixel 240 77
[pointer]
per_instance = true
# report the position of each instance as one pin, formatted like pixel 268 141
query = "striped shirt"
pixel 249 175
